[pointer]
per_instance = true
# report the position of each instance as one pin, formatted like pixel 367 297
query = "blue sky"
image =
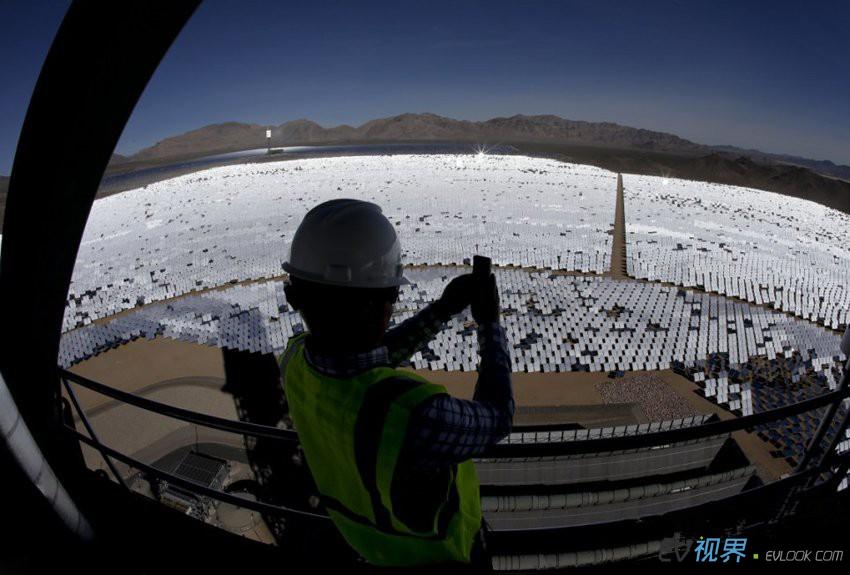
pixel 770 75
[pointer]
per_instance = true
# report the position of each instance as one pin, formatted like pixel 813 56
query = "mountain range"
pixel 231 136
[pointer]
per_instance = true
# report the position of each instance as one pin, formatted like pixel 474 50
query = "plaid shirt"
pixel 444 430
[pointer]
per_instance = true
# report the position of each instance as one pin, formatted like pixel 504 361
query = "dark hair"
pixel 341 314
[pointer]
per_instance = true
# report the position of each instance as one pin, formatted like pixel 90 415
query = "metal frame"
pixel 797 483
pixel 814 447
pixel 26 453
pixel 73 396
pixel 108 452
pixel 98 65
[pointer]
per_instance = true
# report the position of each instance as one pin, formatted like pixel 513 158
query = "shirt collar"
pixel 349 364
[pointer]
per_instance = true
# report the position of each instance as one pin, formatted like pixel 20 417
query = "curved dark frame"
pixel 100 61
pixel 102 58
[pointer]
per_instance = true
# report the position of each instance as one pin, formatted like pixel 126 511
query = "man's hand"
pixel 458 294
pixel 485 301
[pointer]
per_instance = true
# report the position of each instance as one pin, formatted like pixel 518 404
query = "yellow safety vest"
pixel 352 431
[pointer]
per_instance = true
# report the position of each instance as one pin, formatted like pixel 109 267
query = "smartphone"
pixel 481 267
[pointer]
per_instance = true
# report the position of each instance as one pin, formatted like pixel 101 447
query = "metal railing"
pixel 801 479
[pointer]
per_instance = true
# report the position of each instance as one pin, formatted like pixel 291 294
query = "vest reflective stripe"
pixel 369 445
pixel 352 431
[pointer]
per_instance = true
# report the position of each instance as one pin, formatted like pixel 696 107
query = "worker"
pixel 388 450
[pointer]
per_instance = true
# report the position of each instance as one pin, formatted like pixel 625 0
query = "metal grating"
pixel 202 469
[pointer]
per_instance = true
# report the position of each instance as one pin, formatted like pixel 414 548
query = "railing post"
pixel 792 499
pixel 843 466
pixel 814 447
pixel 90 430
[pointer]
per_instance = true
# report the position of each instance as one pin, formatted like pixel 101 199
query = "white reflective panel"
pixel 234 223
pixel 231 223
pixel 759 246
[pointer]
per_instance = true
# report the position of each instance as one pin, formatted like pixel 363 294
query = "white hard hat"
pixel 346 243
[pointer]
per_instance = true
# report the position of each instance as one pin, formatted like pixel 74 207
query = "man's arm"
pixel 405 339
pixel 446 430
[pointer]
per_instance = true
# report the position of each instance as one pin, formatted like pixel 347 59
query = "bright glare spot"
pixel 665 181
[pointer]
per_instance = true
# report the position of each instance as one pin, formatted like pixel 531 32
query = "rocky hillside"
pixel 791 180
pixel 824 167
pixel 419 127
